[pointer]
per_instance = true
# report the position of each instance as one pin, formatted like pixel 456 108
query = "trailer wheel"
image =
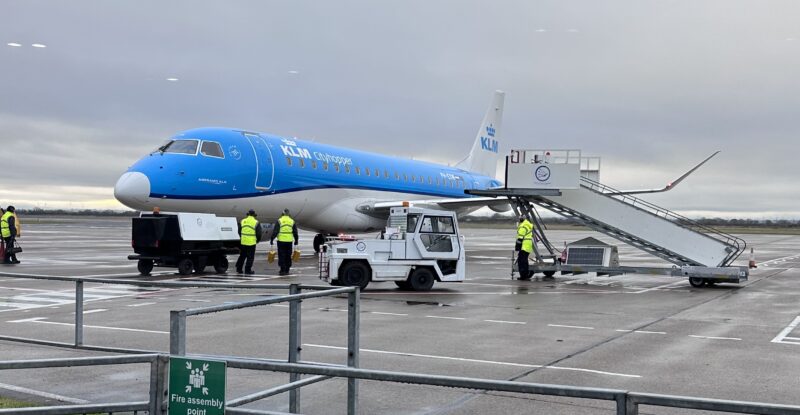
pixel 145 266
pixel 354 274
pixel 403 285
pixel 221 265
pixel 710 283
pixel 200 264
pixel 421 279
pixel 697 282
pixel 319 239
pixel 185 266
pixel 549 274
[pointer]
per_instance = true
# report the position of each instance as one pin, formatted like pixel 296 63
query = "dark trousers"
pixel 10 256
pixel 284 256
pixel 522 264
pixel 246 253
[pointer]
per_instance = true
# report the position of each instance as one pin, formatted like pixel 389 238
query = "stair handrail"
pixel 737 244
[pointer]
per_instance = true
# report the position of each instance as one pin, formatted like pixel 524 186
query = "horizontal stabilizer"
pixel 671 185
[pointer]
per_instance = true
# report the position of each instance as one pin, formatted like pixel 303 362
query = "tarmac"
pixel 639 333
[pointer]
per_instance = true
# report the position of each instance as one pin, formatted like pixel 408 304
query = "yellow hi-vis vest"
pixel 5 230
pixel 249 231
pixel 285 233
pixel 525 232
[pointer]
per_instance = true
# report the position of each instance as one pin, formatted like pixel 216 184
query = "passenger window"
pixel 430 180
pixel 336 167
pixel 182 147
pixel 377 173
pixel 366 171
pixel 347 168
pixel 386 174
pixel 288 161
pixel 325 165
pixel 302 163
pixel 313 164
pixel 211 149
pixel 421 180
pixel 405 177
pixel 413 179
pixel 358 170
pixel 397 175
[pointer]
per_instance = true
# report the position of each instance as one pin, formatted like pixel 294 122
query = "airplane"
pixel 327 189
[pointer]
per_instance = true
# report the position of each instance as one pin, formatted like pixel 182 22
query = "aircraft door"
pixel 265 170
pixel 437 238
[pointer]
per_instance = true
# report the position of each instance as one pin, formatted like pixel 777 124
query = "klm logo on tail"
pixel 489 143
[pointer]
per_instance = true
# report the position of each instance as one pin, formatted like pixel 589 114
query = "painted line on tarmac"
pixel 96 310
pixel 40 320
pixel 388 314
pixel 493 362
pixel 714 338
pixel 571 327
pixel 447 318
pixel 42 394
pixel 505 322
pixel 670 285
pixel 140 304
pixel 783 335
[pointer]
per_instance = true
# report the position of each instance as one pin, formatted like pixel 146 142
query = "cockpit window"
pixel 211 149
pixel 181 147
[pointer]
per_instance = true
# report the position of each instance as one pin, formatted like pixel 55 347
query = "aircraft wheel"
pixel 403 285
pixel 354 274
pixel 319 239
pixel 421 279
pixel 697 282
pixel 221 265
pixel 145 266
pixel 185 266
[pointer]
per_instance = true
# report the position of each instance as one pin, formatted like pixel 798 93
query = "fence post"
pixel 622 401
pixel 78 313
pixel 353 316
pixel 158 384
pixel 177 332
pixel 294 346
pixel 631 407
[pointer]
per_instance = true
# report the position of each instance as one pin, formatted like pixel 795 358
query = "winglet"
pixel 671 185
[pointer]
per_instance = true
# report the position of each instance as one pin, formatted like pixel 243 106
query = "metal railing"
pixel 158 365
pixel 627 403
pixel 737 245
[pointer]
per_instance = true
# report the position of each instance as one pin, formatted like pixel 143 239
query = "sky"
pixel 652 87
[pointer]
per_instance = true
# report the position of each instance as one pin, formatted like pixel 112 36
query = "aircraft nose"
pixel 133 190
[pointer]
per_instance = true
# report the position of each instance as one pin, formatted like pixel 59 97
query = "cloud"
pixel 652 87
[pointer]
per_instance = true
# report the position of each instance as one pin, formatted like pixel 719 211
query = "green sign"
pixel 196 387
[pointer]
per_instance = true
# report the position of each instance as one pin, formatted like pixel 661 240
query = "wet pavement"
pixel 635 332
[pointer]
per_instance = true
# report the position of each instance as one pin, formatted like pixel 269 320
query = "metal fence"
pixel 626 403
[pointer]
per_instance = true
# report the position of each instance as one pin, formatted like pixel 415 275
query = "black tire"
pixel 697 282
pixel 421 279
pixel 185 266
pixel 355 274
pixel 710 283
pixel 319 239
pixel 549 274
pixel 403 285
pixel 145 266
pixel 221 265
pixel 200 264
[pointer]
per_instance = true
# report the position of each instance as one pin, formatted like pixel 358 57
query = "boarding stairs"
pixel 653 229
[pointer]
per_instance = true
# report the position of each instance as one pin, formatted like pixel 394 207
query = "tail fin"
pixel 485 152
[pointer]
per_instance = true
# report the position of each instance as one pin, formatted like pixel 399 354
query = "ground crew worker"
pixel 286 234
pixel 8 230
pixel 250 233
pixel 525 246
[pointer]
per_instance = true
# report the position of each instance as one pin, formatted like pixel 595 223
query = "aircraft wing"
pixel 382 208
